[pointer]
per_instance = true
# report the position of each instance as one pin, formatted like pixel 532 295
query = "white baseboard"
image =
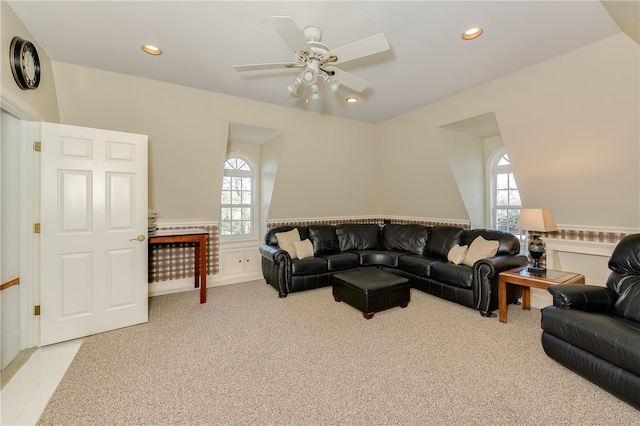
pixel 187 284
pixel 540 298
pixel 172 286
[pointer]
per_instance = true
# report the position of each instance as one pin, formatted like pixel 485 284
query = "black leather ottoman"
pixel 371 290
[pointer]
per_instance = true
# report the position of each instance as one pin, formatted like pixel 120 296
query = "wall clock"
pixel 25 64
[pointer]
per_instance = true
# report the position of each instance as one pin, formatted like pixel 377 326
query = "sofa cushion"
pixel 442 239
pixel 628 303
pixel 303 248
pixel 411 238
pixel 380 257
pixel 286 240
pixel 341 261
pixel 270 236
pixel 324 239
pixel 455 275
pixel 457 254
pixel 625 258
pixel 358 236
pixel 509 243
pixel 417 265
pixel 480 249
pixel 309 266
pixel 609 337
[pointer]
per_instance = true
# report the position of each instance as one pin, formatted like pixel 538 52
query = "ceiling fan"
pixel 316 61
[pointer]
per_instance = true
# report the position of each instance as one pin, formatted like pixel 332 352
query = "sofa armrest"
pixel 589 298
pixel 492 266
pixel 485 280
pixel 274 254
pixel 276 268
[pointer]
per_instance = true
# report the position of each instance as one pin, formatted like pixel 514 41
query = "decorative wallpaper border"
pixel 175 261
pixel 590 235
pixel 586 235
pixel 377 220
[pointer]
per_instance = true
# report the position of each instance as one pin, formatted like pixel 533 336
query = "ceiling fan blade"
pixel 348 80
pixel 289 31
pixel 257 67
pixel 359 49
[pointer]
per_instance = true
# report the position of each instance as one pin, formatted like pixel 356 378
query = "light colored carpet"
pixel 248 357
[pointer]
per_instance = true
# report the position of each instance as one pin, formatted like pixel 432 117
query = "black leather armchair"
pixel 595 331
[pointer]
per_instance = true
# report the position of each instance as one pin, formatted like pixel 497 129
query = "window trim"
pixel 254 197
pixel 494 170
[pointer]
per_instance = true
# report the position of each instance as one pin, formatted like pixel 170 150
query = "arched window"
pixel 237 203
pixel 505 198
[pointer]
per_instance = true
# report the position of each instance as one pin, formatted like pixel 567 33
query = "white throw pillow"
pixel 303 248
pixel 286 239
pixel 480 249
pixel 457 254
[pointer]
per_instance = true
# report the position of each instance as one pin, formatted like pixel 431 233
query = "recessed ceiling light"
pixel 151 50
pixel 351 100
pixel 472 33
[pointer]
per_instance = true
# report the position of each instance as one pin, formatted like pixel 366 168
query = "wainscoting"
pixel 583 251
pixel 171 265
pixel 572 248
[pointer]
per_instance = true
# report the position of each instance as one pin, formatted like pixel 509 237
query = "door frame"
pixel 29 211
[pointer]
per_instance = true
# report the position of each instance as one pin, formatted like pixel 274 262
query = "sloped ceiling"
pixel 428 59
pixel 627 15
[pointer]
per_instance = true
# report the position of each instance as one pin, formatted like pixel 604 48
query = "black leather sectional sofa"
pixel 595 331
pixel 414 251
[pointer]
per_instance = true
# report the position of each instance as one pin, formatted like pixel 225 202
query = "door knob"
pixel 138 238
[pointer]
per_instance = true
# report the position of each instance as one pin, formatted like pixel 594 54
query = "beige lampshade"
pixel 540 220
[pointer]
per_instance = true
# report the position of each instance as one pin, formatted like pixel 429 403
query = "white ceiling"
pixel 428 60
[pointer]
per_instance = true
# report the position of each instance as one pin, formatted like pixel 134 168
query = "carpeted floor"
pixel 248 357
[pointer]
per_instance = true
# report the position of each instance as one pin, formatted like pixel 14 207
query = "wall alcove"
pixel 468 144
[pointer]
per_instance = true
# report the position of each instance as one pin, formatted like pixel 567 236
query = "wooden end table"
pixel 522 277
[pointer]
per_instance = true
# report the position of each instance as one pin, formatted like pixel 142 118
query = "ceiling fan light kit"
pixel 317 61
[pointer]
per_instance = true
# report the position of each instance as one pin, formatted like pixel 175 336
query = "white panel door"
pixel 93 242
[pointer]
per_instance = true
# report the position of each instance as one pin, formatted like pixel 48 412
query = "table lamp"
pixel 535 221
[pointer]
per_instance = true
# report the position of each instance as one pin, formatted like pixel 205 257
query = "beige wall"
pixel 324 169
pixel 43 99
pixel 584 131
pixel 465 154
pixel 270 154
pixel 571 126
pixel 575 117
pixel 416 179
